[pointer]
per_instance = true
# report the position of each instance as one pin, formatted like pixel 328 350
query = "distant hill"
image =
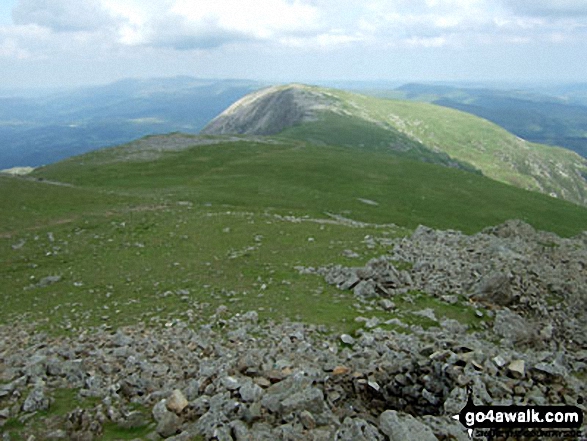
pixel 419 131
pixel 45 128
pixel 555 116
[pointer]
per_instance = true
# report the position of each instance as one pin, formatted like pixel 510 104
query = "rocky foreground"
pixel 238 378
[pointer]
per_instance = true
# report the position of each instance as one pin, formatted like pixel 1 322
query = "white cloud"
pixel 260 19
pixel 62 15
pixel 234 37
pixel 9 48
pixel 307 24
pixel 436 23
pixel 326 41
pixel 23 42
pixel 428 23
pixel 426 42
pixel 183 24
pixel 548 8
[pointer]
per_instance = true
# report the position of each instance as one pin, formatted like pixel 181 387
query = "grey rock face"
pixel 357 429
pixel 512 327
pixel 310 399
pixel 36 400
pixel 403 427
pixel 250 115
pixel 495 289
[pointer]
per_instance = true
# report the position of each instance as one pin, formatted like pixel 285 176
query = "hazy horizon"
pixel 72 43
pixel 542 87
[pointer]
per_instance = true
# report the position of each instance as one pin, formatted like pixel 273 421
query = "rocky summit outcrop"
pixel 270 111
pixel 512 269
pixel 239 378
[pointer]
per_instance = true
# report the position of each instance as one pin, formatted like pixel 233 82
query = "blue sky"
pixel 76 42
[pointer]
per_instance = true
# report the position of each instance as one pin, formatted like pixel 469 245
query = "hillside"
pixel 276 110
pixel 558 119
pixel 277 173
pixel 205 279
pixel 418 130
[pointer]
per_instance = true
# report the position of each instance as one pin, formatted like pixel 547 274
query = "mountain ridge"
pixel 314 114
pixel 277 110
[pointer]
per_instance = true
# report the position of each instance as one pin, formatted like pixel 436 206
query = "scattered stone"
pixel 368 201
pixel 512 327
pixel 134 420
pixel 250 392
pixel 357 429
pixel 176 402
pixel 262 381
pixel 311 399
pixel 341 370
pixel 402 427
pixel 299 382
pixel 347 339
pixel 307 420
pixel 517 368
pixel 18 245
pixel 56 434
pixel 168 423
pixel 36 400
pixel 230 383
pixel 373 322
pixel 350 254
pixel 495 288
pixel 499 361
pixel 49 280
pixel 427 313
pixel 387 304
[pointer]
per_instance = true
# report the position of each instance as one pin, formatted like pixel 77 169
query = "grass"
pixel 413 302
pixel 157 241
pixel 318 179
pixel 27 203
pixel 342 130
pixel 63 402
pixel 195 229
pixel 176 237
pixel 408 305
pixel 469 140
pixel 135 266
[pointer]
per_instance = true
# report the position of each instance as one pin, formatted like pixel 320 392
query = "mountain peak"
pixel 271 110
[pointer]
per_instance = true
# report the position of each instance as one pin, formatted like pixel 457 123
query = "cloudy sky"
pixel 75 42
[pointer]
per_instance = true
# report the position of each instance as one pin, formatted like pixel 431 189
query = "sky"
pixel 61 43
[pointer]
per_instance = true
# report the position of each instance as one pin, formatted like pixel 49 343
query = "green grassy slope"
pixel 176 236
pixel 472 140
pixel 27 204
pixel 416 130
pixel 343 130
pixel 317 179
